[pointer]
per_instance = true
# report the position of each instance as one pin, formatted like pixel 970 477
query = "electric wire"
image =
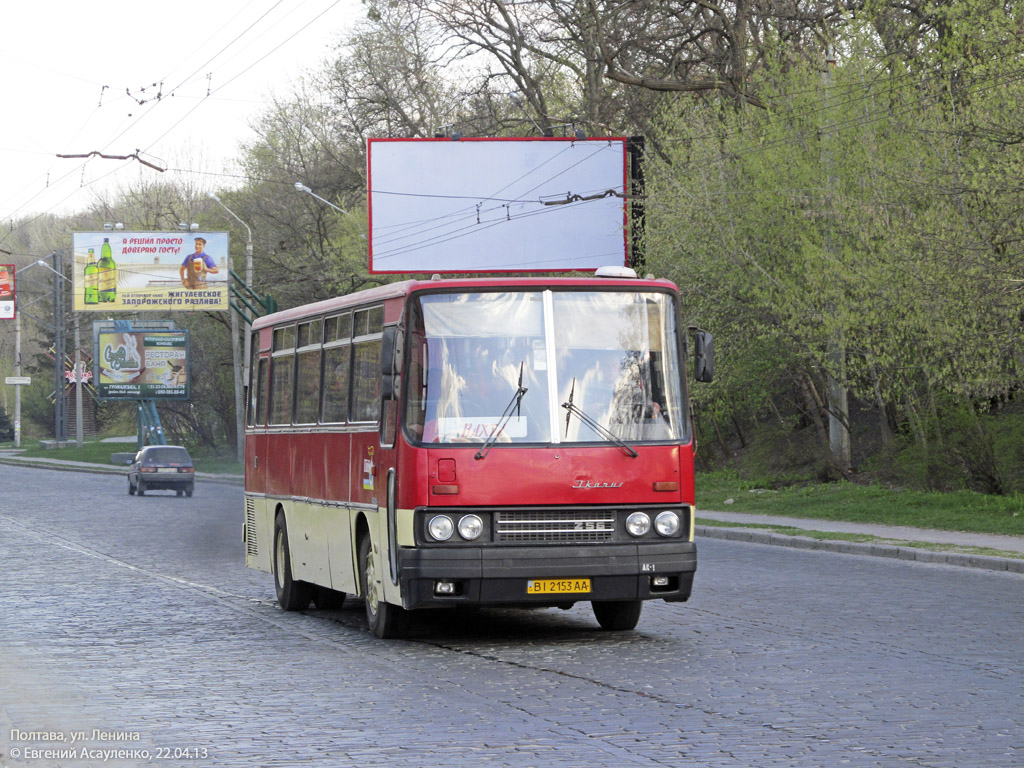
pixel 853 90
pixel 79 167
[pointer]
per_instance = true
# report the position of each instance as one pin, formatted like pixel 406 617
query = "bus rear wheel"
pixel 292 595
pixel 385 620
pixel 617 615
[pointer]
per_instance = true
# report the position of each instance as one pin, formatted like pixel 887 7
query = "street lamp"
pixel 239 384
pixel 300 187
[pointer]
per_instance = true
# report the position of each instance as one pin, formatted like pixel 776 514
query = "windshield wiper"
pixel 513 405
pixel 594 425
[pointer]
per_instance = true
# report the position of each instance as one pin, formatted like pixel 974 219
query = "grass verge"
pixel 95 452
pixel 959 511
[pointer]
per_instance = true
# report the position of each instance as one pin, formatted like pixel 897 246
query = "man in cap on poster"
pixel 194 268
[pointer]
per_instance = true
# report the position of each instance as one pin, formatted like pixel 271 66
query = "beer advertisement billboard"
pixel 150 271
pixel 6 291
pixel 142 365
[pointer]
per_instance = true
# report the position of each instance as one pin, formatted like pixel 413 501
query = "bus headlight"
pixel 470 527
pixel 638 524
pixel 441 527
pixel 667 523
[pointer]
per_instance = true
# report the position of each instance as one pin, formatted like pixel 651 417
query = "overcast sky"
pixel 80 77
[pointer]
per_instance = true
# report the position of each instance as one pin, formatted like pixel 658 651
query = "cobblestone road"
pixel 132 624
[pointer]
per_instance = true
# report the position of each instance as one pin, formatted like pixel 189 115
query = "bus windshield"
pixel 596 367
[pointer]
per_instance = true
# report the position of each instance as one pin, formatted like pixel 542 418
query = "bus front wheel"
pixel 617 615
pixel 385 620
pixel 292 595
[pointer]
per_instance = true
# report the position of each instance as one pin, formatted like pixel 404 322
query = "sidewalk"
pixel 901 542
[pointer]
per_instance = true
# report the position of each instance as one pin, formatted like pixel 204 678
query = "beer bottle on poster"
pixel 92 279
pixel 107 273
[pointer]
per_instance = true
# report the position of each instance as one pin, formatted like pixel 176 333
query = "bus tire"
pixel 292 595
pixel 617 615
pixel 384 619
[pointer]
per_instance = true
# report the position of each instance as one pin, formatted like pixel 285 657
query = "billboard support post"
pixel 78 386
pixel 637 195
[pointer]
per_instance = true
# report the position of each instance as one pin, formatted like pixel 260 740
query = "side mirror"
pixel 704 357
pixel 391 353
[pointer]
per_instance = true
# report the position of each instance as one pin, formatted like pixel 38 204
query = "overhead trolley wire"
pixel 78 168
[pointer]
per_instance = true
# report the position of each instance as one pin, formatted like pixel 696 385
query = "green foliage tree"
pixel 854 228
pixel 6 425
pixel 875 214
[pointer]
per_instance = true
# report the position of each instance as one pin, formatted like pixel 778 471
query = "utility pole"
pixel 60 405
pixel 17 372
pixel 241 361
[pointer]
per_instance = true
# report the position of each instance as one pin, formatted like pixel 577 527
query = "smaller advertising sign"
pixel 6 291
pixel 147 271
pixel 142 365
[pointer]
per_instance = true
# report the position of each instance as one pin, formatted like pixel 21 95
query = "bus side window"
pixel 258 395
pixel 366 364
pixel 366 380
pixel 336 379
pixel 282 388
pixel 253 383
pixel 337 369
pixel 307 402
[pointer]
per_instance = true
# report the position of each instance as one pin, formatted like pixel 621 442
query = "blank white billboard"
pixel 496 205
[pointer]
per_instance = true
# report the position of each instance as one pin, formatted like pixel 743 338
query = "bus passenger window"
pixel 336 378
pixel 282 389
pixel 307 403
pixel 366 381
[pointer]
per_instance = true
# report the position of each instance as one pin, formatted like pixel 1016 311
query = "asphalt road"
pixel 131 625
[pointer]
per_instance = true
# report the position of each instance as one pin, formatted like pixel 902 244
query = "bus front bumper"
pixel 437 576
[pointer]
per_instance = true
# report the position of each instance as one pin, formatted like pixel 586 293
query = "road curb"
pixel 99 469
pixel 917 554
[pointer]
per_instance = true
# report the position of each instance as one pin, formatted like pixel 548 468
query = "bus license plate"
pixel 557 586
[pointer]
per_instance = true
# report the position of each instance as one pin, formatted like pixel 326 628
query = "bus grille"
pixel 252 548
pixel 556 526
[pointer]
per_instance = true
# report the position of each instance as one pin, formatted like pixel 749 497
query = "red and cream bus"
pixel 488 441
